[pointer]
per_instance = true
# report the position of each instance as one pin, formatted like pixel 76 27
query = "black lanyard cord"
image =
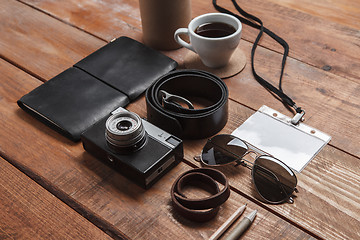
pixel 279 92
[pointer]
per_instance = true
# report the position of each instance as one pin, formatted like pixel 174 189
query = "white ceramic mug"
pixel 214 52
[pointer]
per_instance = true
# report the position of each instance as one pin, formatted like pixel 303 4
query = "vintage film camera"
pixel 137 149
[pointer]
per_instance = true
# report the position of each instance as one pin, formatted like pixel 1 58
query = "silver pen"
pixel 242 226
pixel 227 223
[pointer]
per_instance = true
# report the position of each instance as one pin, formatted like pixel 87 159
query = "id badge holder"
pixel 277 135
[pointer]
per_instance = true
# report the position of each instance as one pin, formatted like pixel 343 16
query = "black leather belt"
pixel 166 98
pixel 202 209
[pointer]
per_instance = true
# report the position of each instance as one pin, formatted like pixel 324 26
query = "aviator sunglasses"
pixel 274 181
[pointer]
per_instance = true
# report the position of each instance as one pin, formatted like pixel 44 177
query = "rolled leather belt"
pixel 164 110
pixel 202 209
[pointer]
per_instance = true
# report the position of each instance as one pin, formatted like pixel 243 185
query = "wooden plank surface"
pixel 304 83
pixel 27 211
pixel 45 37
pixel 312 39
pixel 330 101
pixel 47 45
pixel 328 187
pixel 91 187
pixel 345 12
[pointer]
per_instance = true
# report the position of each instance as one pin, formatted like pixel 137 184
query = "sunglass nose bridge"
pixel 244 164
pixel 248 158
pixel 252 154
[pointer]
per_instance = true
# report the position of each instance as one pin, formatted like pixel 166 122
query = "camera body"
pixel 136 148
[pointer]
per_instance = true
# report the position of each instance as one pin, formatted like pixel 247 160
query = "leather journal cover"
pixel 109 78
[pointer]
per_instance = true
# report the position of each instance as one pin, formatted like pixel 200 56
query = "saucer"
pixel 236 64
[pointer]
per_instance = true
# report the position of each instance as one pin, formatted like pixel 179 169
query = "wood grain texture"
pixel 27 211
pixel 106 19
pixel 48 45
pixel 304 83
pixel 329 185
pixel 98 190
pixel 312 39
pixel 345 12
pixel 330 101
pixel 321 43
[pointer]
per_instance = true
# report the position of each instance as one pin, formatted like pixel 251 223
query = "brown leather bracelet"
pixel 202 209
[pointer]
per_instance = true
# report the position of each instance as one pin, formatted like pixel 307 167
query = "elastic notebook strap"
pixel 278 91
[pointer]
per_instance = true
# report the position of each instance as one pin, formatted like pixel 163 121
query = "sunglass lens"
pixel 223 149
pixel 274 181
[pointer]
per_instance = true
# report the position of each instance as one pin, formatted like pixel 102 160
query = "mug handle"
pixel 182 42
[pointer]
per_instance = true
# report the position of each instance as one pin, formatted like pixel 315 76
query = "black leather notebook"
pixel 111 77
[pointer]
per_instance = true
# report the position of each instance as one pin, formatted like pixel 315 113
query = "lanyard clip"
pixel 298 117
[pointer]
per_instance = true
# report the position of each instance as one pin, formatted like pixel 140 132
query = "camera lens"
pixel 124 125
pixel 125 132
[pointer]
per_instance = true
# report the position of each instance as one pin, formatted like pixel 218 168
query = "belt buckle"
pixel 169 101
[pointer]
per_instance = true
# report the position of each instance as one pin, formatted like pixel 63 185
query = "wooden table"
pixel 51 188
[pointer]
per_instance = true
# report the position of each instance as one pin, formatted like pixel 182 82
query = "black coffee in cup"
pixel 215 30
pixel 213 36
